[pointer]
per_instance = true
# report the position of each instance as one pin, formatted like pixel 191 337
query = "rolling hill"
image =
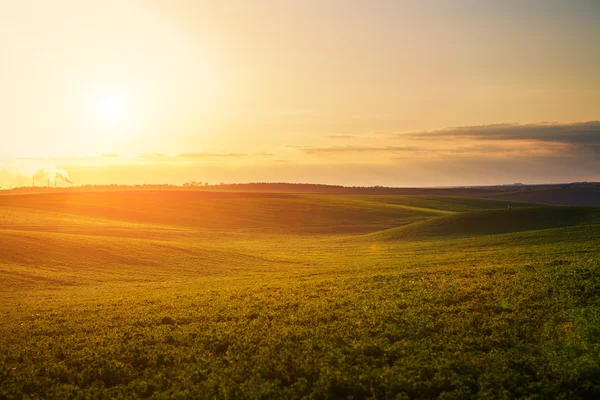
pixel 190 294
pixel 494 222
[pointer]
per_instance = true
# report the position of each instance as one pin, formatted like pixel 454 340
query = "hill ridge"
pixel 490 222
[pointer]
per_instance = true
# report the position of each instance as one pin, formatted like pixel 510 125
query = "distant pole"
pixel 32 182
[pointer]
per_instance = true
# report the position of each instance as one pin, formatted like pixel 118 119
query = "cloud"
pixel 506 148
pixel 111 155
pixel 356 149
pixel 155 156
pixel 374 117
pixel 579 134
pixel 161 157
pixel 209 155
pixel 501 141
pixel 341 137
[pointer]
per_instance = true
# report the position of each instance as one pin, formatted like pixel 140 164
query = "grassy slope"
pixel 494 222
pixel 222 210
pixel 153 294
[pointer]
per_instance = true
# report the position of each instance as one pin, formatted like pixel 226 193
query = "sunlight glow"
pixel 110 108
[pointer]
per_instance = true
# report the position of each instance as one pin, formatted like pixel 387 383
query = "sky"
pixel 352 92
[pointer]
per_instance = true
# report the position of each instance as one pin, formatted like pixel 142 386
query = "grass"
pixel 199 295
pixel 492 222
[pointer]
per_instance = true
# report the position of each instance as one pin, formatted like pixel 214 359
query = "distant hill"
pixel 574 194
pixel 567 196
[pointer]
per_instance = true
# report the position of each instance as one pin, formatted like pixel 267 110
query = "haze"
pixel 382 92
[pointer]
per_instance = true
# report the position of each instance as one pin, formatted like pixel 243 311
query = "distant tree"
pixel 192 184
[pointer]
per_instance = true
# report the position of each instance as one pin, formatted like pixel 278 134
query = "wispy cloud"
pixel 211 155
pixel 341 137
pixel 356 149
pixel 505 141
pixel 574 134
pixel 155 157
pixel 374 117
pixel 188 156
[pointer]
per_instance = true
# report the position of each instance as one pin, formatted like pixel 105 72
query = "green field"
pixel 185 294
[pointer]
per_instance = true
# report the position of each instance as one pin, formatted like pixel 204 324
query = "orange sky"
pixel 345 92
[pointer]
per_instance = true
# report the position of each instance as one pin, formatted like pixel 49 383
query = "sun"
pixel 111 117
pixel 110 108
